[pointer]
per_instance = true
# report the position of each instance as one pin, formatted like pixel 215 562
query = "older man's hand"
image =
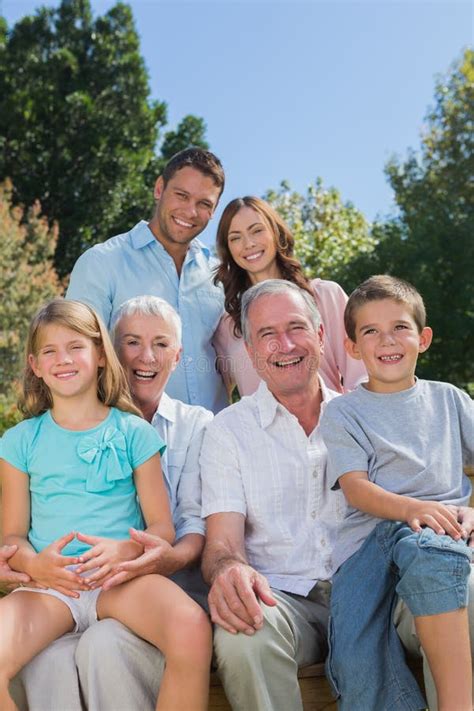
pixel 7 575
pixel 157 557
pixel 234 598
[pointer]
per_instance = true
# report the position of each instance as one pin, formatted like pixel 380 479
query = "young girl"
pixel 78 463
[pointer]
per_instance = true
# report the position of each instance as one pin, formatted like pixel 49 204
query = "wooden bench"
pixel 315 690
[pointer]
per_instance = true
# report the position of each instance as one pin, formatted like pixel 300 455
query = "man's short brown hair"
pixel 384 286
pixel 199 159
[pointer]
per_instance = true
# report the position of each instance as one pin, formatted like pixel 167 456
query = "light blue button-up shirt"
pixel 135 264
pixel 182 427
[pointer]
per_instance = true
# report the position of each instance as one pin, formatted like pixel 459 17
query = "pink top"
pixel 236 367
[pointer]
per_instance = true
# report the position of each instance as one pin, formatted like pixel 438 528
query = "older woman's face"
pixel 252 245
pixel 149 352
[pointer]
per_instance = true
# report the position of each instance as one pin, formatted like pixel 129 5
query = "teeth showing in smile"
pixel 391 358
pixel 182 223
pixel 285 363
pixel 251 257
pixel 66 375
pixel 144 374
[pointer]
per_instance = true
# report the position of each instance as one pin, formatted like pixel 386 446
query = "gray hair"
pixel 148 306
pixel 275 286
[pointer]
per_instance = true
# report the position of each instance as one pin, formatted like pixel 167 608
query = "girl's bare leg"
pixel 157 610
pixel 445 640
pixel 28 623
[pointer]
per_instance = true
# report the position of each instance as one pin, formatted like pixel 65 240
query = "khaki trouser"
pixel 120 672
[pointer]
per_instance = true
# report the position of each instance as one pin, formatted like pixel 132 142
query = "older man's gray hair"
pixel 275 286
pixel 148 306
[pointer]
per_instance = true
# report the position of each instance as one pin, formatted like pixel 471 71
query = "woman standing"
pixel 254 244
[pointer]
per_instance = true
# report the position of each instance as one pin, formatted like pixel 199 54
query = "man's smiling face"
pixel 185 206
pixel 284 346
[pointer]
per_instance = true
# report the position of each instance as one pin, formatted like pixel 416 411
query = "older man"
pixel 271 519
pixel 117 671
pixel 163 257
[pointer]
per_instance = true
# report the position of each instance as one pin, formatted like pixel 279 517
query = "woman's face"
pixel 252 245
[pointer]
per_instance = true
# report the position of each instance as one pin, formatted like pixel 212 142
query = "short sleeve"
pixel 348 447
pixel 143 441
pixel 89 283
pixel 465 408
pixel 222 486
pixel 14 446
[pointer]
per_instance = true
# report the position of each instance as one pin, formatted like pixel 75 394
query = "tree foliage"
pixel 431 241
pixel 329 233
pixel 27 280
pixel 78 130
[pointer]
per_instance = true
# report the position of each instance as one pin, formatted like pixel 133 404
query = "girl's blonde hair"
pixel 112 386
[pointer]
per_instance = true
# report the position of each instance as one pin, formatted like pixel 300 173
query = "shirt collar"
pixel 268 404
pixel 141 235
pixel 166 409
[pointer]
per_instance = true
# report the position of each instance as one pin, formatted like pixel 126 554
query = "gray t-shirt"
pixel 414 442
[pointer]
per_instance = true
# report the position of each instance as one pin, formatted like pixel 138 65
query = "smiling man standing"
pixel 271 518
pixel 163 258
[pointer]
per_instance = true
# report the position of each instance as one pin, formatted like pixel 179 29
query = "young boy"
pixel 397 446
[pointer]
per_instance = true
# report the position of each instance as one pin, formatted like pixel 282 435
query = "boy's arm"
pixel 366 496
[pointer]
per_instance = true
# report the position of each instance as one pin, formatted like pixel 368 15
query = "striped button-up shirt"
pixel 182 427
pixel 257 460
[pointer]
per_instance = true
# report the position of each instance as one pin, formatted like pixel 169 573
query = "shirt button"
pixel 323 542
pixel 315 474
pixel 313 514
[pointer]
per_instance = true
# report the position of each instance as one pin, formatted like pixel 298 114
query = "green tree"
pixel 27 280
pixel 191 131
pixel 328 232
pixel 78 130
pixel 431 240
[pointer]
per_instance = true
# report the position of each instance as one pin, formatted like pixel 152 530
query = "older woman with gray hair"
pixel 108 668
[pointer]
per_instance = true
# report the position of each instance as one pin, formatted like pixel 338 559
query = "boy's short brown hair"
pixel 384 286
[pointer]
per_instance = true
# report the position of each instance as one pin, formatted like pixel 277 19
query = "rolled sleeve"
pixel 188 498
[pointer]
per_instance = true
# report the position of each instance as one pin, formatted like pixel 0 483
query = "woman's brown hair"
pixel 112 386
pixel 234 279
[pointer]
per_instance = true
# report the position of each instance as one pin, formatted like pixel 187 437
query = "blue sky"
pixel 294 90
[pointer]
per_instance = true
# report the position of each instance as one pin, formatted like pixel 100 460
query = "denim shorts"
pixel 366 662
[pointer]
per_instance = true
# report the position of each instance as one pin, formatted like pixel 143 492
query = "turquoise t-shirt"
pixel 81 481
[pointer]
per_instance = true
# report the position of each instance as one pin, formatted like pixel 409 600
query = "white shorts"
pixel 83 609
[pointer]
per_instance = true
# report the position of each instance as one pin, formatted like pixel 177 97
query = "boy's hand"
pixel 48 569
pixel 157 557
pixel 105 554
pixel 466 519
pixel 435 515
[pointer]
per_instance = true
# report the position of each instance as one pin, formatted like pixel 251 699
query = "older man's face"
pixel 284 347
pixel 149 352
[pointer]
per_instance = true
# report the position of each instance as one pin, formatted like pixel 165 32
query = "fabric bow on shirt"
pixel 106 454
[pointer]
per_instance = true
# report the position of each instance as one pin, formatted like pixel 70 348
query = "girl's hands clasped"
pixel 48 568
pixel 103 557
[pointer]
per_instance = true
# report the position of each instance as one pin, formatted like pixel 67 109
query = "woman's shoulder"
pixel 326 287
